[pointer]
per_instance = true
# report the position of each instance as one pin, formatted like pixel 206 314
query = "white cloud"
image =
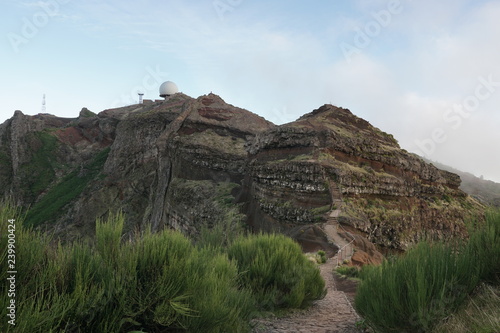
pixel 428 58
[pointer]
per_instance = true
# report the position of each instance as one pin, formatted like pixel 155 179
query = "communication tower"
pixel 44 108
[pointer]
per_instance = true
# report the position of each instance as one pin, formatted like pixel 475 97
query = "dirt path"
pixel 332 314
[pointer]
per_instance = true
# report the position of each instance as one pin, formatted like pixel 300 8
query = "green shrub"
pixel 108 236
pixel 318 257
pixel 485 244
pixel 277 272
pixel 480 313
pixel 217 301
pixel 429 282
pixel 30 257
pixel 158 282
pixel 348 271
pixel 322 256
pixel 59 288
pixel 176 285
pixel 223 233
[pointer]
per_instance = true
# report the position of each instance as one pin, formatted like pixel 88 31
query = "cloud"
pixel 449 50
pixel 281 63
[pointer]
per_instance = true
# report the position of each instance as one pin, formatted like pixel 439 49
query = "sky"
pixel 427 72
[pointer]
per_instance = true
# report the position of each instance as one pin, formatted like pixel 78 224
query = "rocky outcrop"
pixel 366 253
pixel 184 163
pixel 390 196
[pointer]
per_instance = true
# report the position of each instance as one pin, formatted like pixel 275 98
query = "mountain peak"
pixel 343 122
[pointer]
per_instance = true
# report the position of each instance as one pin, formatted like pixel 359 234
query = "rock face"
pixel 184 163
pixel 393 197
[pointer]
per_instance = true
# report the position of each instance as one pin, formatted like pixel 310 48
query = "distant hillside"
pixel 483 190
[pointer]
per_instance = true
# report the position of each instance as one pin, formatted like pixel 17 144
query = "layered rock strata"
pixel 184 163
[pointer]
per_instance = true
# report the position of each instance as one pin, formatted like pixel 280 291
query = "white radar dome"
pixel 168 88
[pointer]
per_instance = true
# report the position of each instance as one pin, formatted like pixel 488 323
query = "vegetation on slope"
pixel 5 166
pixel 156 282
pixel 40 172
pixel 212 199
pixel 69 188
pixel 484 190
pixel 430 281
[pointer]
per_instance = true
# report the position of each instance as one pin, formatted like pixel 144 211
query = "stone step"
pixel 334 213
pixel 332 223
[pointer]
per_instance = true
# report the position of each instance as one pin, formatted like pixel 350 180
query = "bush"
pixel 485 245
pixel 348 271
pixel 160 281
pixel 156 282
pixel 480 313
pixel 277 272
pixel 223 233
pixel 322 256
pixel 180 286
pixel 429 282
pixel 318 257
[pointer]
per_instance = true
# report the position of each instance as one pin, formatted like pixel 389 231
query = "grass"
pixel 151 283
pixel 317 258
pixel 68 189
pixel 430 282
pixel 480 313
pixel 321 210
pixel 348 271
pixel 227 144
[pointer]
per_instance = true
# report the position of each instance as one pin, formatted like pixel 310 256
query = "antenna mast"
pixel 44 108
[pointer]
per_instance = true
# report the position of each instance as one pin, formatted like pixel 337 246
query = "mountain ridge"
pixel 484 190
pixel 185 162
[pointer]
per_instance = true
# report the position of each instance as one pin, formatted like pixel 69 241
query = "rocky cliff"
pixel 184 163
